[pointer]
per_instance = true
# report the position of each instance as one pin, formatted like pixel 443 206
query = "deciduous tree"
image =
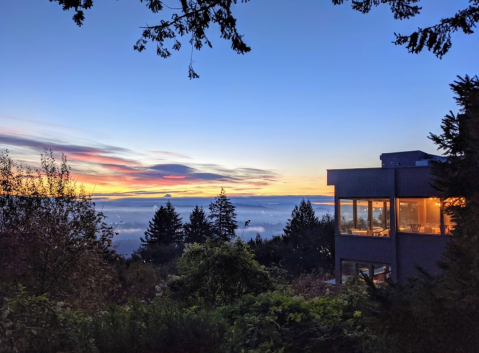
pixel 52 241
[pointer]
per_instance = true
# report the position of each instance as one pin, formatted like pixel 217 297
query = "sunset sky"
pixel 323 88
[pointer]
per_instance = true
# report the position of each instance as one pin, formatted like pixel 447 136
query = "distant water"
pixel 268 214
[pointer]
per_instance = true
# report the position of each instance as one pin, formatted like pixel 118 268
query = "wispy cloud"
pixel 171 154
pixel 116 167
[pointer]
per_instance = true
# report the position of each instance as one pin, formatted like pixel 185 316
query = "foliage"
pixel 422 315
pixel 313 285
pixel 276 322
pixel 165 228
pixel 441 313
pixel 193 18
pixel 160 326
pixel 223 217
pixel 35 324
pixel 302 225
pixel 136 280
pixel 308 247
pixel 456 179
pixel 198 229
pixel 436 38
pixel 219 273
pixel 159 254
pixel 51 238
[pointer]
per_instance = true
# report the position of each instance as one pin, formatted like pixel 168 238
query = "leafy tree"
pixel 223 217
pixel 199 228
pixel 52 241
pixel 193 18
pixel 165 228
pixel 220 273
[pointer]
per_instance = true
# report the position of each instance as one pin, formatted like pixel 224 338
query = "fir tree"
pixel 199 228
pixel 457 180
pixel 303 223
pixel 165 228
pixel 223 217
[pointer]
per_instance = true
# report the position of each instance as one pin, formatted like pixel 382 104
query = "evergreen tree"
pixel 165 228
pixel 223 217
pixel 441 313
pixel 457 180
pixel 199 228
pixel 303 223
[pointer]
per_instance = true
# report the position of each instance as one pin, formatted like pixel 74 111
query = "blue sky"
pixel 323 88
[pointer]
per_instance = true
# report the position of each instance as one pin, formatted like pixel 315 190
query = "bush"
pixel 160 326
pixel 36 324
pixel 313 285
pixel 219 273
pixel 275 322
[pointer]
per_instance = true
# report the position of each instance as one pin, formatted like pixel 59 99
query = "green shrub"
pixel 160 326
pixel 275 322
pixel 219 273
pixel 36 324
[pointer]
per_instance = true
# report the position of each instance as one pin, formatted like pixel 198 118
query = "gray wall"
pixel 402 251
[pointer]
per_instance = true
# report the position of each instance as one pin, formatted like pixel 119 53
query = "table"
pixel 415 227
pixel 359 232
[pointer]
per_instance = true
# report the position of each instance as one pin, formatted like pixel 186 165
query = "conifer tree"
pixel 303 223
pixel 165 228
pixel 223 217
pixel 198 229
pixel 458 180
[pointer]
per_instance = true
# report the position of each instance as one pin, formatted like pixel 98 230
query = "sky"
pixel 323 88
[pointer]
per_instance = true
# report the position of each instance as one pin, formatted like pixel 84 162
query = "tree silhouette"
pixel 457 179
pixel 223 217
pixel 165 228
pixel 303 223
pixel 435 38
pixel 198 229
pixel 52 241
pixel 192 19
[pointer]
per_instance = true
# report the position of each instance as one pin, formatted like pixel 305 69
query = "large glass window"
pixel 364 217
pixel 362 212
pixel 420 215
pixel 379 272
pixel 346 210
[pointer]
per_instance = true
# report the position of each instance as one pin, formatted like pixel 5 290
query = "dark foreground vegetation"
pixel 193 287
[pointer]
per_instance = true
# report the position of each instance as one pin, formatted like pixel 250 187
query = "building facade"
pixel 389 220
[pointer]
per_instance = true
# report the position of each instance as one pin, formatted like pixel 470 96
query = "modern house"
pixel 389 220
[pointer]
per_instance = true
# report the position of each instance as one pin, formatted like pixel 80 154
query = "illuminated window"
pixel 364 217
pixel 346 216
pixel 420 215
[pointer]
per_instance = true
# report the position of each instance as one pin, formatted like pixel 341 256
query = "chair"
pixel 369 233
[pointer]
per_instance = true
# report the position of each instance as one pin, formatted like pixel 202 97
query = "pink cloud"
pixel 172 154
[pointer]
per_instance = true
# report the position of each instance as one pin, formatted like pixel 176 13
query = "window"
pixel 346 216
pixel 379 272
pixel 365 217
pixel 420 215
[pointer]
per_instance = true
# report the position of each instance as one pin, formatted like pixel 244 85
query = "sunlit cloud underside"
pixel 115 172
